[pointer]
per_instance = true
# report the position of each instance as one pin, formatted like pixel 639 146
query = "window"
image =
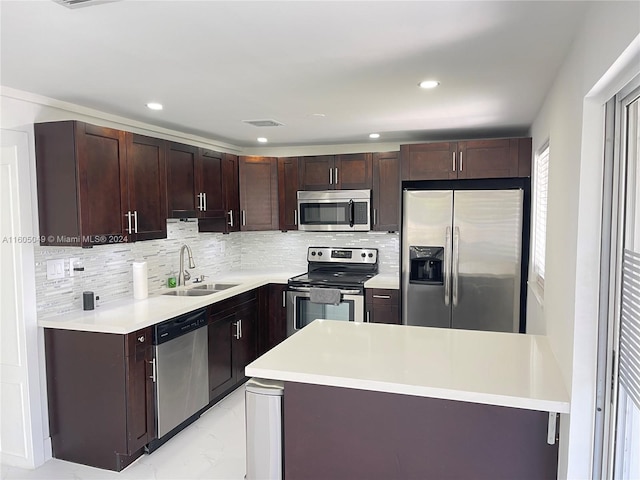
pixel 540 177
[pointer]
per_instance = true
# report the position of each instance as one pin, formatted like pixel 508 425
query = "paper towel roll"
pixel 140 280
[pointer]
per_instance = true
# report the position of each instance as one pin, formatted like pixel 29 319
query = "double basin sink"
pixel 201 290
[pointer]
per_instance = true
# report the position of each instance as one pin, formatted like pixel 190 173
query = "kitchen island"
pixel 389 401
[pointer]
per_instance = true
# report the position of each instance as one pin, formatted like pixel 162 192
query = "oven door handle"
pixel 308 289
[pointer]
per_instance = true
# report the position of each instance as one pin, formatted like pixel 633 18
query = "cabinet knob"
pixel 141 339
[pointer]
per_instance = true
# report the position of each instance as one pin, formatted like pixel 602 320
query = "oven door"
pixel 301 311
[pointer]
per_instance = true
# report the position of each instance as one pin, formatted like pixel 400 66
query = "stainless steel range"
pixel 332 288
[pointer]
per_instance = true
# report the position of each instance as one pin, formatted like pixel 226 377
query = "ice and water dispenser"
pixel 426 265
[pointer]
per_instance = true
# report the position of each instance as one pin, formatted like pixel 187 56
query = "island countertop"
pixel 505 369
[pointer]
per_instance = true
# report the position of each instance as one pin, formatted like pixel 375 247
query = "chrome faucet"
pixel 184 275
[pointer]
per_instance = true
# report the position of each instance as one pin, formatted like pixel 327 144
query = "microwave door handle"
pixel 351 213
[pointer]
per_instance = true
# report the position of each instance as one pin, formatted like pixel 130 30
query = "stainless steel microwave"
pixel 334 210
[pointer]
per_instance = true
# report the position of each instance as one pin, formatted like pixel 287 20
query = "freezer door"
pixel 426 222
pixel 487 231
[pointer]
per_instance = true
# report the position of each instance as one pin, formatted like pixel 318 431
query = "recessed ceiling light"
pixel 374 135
pixel 154 106
pixel 262 140
pixel 429 84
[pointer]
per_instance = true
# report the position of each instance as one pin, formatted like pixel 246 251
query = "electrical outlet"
pixel 55 269
pixel 72 263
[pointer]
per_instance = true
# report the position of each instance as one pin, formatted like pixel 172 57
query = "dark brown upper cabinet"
pixel 288 193
pixel 385 215
pixel 98 185
pixel 258 181
pixel 332 172
pixel 501 158
pixel 218 197
pixel 182 190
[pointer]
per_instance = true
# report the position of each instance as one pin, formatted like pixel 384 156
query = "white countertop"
pixel 129 315
pixel 384 280
pixel 506 369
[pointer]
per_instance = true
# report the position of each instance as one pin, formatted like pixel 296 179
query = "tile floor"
pixel 211 448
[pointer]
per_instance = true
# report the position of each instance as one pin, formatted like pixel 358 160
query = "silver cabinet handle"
pixel 284 299
pixel 204 201
pixel 135 221
pixel 240 322
pixel 331 176
pixel 368 320
pixel 375 216
pixel 153 370
pixel 456 254
pixel 336 175
pixel 244 217
pixel 231 218
pixel 453 161
pixel 237 334
pixel 295 217
pixel 461 160
pixel 447 266
pixel 128 215
pixel 199 197
pixel 382 296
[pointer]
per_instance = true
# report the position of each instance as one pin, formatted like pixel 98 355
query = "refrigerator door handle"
pixel 447 267
pixel 456 253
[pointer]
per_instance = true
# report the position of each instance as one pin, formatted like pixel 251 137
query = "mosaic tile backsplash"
pixel 108 268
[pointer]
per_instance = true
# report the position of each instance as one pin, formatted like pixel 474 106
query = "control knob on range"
pixel 313 254
pixel 363 255
pixel 370 255
pixel 319 254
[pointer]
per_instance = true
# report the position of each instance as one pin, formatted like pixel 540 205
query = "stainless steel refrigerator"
pixel 461 258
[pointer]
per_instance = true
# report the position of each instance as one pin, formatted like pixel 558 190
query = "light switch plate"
pixel 55 269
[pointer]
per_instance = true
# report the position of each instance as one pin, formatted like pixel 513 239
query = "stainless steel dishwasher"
pixel 181 370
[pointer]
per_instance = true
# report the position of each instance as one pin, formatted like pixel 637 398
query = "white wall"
pixel 572 120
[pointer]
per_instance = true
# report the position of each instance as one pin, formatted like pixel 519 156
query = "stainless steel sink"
pixel 215 286
pixel 190 293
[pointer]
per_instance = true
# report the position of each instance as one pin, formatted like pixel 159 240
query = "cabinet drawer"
pixel 383 296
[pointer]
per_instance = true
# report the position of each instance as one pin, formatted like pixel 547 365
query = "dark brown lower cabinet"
pixel 382 305
pixel 273 321
pixel 233 341
pixel 343 433
pixel 101 401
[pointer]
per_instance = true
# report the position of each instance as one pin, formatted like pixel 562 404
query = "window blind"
pixel 630 326
pixel 541 180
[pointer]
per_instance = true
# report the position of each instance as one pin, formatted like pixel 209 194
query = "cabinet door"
pixel 383 306
pixel 316 172
pixel 488 158
pixel 429 161
pixel 273 322
pixel 352 171
pixel 231 192
pixel 181 180
pixel 147 186
pixel 140 391
pixel 288 193
pixel 386 192
pixel 220 336
pixel 258 193
pixel 245 338
pixel 210 188
pixel 102 169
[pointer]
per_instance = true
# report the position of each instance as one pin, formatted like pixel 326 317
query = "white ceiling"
pixel 214 64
